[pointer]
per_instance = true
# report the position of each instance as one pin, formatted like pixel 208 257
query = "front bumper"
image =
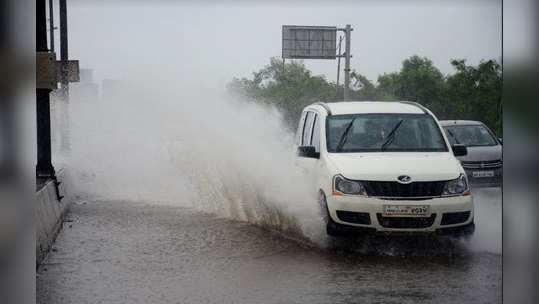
pixel 445 213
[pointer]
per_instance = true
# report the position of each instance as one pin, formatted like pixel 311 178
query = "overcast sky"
pixel 211 43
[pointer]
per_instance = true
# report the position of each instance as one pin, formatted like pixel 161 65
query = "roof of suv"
pixel 460 123
pixel 365 107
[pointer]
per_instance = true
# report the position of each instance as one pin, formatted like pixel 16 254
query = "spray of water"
pixel 190 147
pixel 216 153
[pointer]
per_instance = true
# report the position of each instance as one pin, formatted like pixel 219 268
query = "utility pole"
pixel 8 134
pixel 44 168
pixel 339 62
pixel 64 79
pixel 51 23
pixel 348 31
pixel 64 56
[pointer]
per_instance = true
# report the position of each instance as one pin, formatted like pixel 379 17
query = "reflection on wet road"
pixel 120 252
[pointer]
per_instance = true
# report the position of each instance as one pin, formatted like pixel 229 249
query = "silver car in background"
pixel 483 163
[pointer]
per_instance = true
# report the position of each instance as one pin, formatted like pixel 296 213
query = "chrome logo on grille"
pixel 404 179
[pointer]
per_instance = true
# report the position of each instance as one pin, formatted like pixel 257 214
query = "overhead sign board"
pixel 309 42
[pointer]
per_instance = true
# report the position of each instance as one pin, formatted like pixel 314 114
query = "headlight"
pixel 456 186
pixel 342 186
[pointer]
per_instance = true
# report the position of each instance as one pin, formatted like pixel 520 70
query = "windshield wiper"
pixel 391 135
pixel 453 135
pixel 344 135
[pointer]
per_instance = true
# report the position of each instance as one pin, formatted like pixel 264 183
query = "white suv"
pixel 384 167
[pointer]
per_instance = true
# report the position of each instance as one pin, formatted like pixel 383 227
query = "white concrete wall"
pixel 49 214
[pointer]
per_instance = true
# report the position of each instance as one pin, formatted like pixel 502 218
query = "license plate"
pixel 483 173
pixel 409 210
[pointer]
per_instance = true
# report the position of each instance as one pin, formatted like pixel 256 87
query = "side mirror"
pixel 459 150
pixel 500 140
pixel 308 151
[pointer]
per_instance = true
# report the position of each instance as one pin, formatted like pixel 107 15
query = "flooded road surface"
pixel 121 252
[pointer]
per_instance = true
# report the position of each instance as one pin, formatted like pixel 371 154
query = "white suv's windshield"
pixel 470 135
pixel 383 132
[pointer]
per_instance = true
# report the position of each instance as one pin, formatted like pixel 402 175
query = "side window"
pixel 316 133
pixel 299 132
pixel 307 131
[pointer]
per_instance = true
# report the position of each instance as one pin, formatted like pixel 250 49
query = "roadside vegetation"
pixel 471 92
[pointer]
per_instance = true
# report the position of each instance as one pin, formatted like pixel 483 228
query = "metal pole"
pixel 339 62
pixel 44 168
pixel 64 57
pixel 8 121
pixel 51 23
pixel 348 31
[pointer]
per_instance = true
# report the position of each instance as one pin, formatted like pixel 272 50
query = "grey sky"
pixel 213 43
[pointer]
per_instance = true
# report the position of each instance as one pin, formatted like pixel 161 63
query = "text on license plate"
pixel 396 210
pixel 483 173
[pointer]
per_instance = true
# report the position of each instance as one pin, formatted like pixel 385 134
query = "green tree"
pixel 366 89
pixel 474 93
pixel 289 87
pixel 418 80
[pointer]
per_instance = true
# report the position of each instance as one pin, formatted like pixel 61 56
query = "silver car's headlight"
pixel 343 186
pixel 457 186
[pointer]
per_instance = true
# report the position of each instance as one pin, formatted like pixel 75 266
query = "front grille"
pixel 405 222
pixel 354 217
pixel 455 217
pixel 487 164
pixel 412 190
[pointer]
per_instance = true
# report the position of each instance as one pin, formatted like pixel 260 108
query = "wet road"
pixel 123 252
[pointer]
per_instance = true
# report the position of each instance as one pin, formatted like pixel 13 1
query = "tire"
pixel 468 232
pixel 334 229
pixel 331 226
pixel 331 229
pixel 460 232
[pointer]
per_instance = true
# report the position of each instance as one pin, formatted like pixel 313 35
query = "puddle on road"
pixel 146 253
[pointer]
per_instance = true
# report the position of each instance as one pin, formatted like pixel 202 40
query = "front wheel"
pixel 465 232
pixel 331 226
pixel 468 231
